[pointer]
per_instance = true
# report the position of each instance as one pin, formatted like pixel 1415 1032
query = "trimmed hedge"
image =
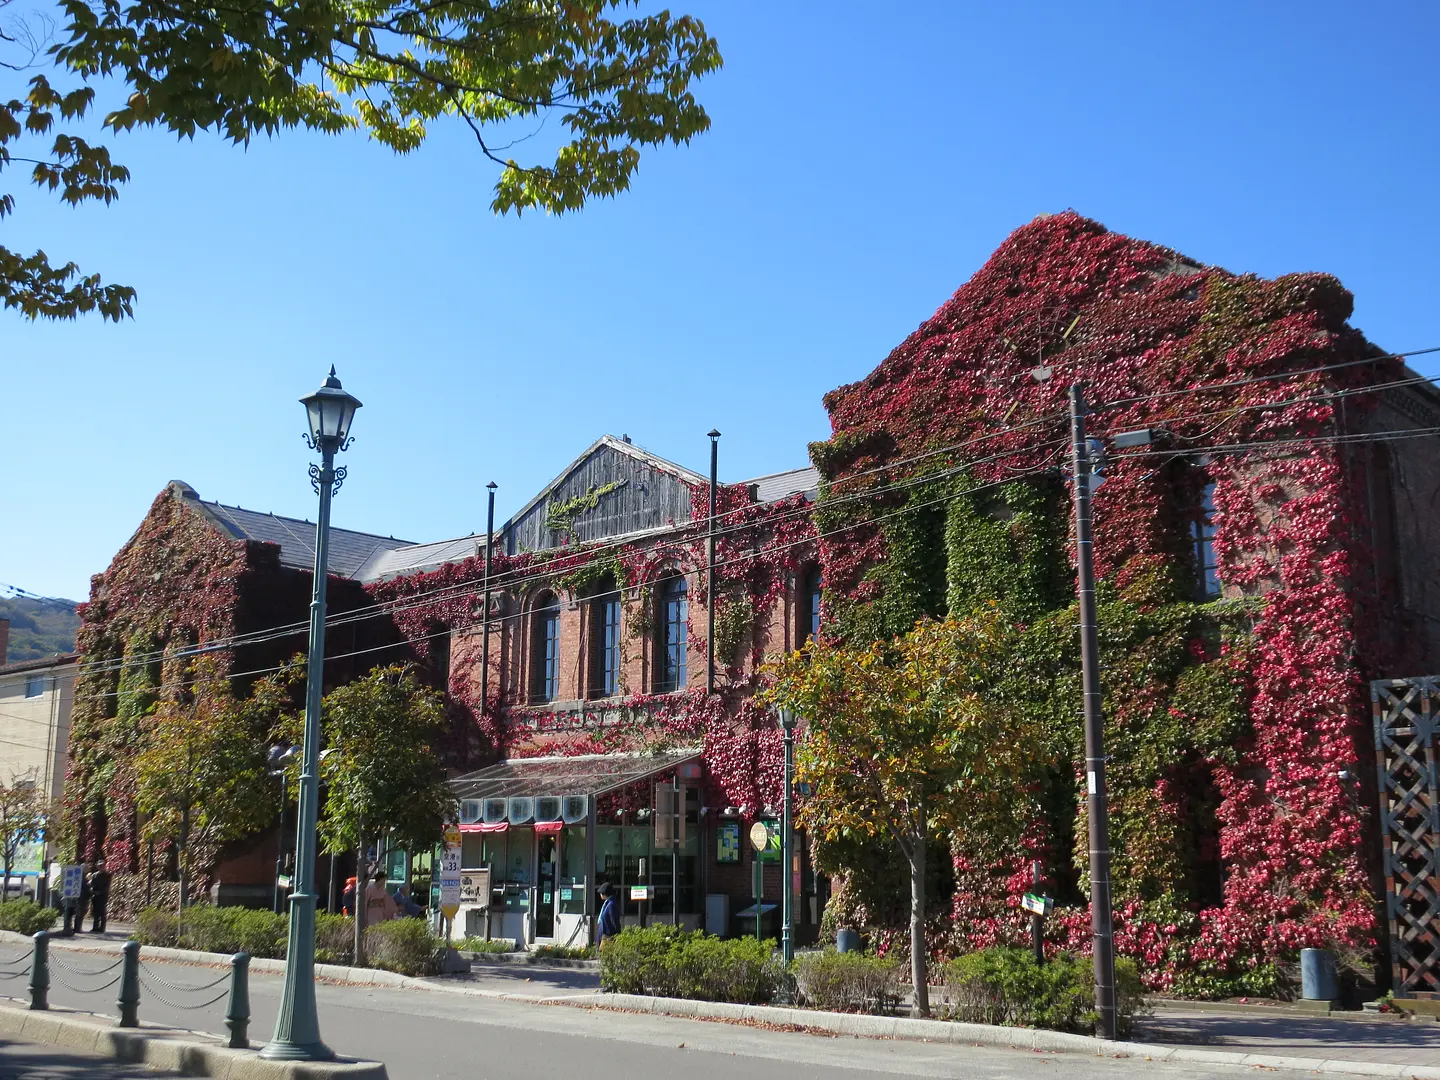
pixel 847 982
pixel 669 962
pixel 405 946
pixel 26 917
pixel 1006 986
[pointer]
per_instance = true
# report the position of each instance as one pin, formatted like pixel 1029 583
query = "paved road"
pixel 435 1035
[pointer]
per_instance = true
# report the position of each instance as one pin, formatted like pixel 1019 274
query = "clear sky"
pixel 864 160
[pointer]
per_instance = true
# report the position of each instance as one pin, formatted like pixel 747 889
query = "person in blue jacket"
pixel 609 913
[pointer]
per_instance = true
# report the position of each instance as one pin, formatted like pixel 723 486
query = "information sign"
pixel 727 842
pixel 759 836
pixel 475 887
pixel 450 872
pixel 70 879
pixel 1037 905
pixel 639 892
pixel 765 839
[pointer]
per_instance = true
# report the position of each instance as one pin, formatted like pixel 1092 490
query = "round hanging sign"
pixel 759 836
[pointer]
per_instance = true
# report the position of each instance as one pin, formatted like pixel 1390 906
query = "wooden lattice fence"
pixel 1407 716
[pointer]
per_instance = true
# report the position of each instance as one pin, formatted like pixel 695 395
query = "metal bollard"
pixel 40 972
pixel 237 1015
pixel 129 1000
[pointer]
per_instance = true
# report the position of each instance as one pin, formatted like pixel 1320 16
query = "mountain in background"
pixel 40 626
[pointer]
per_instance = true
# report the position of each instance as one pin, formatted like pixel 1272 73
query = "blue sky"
pixel 864 161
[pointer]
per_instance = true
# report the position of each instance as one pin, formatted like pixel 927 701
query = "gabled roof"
pixel 349 550
pixel 780 485
pixel 624 446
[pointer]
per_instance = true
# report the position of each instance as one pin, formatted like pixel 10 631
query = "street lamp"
pixel 279 758
pixel 330 411
pixel 787 842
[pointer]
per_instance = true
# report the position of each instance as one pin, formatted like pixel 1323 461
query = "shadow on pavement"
pixel 526 979
pixel 28 1061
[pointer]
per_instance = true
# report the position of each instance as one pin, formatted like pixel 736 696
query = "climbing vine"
pixel 1232 723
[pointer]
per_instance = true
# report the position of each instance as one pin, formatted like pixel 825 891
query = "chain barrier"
pixel 83 989
pixel 153 985
pixel 58 959
pixel 150 973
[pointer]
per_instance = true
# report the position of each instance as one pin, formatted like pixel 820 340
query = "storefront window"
pixel 572 871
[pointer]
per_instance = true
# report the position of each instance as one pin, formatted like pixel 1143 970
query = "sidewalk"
pixel 1256 1030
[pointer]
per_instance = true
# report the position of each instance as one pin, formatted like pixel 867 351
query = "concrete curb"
pixel 165 1048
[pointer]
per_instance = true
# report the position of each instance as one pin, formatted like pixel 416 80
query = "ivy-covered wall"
pixel 1237 726
pixel 178 583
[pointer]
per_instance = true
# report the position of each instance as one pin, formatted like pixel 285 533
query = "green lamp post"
pixel 297 1029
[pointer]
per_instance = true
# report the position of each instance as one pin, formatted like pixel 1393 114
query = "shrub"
pixel 26 917
pixel 334 939
pixel 847 982
pixel 480 945
pixel 232 930
pixel 566 952
pixel 159 927
pixel 670 962
pixel 404 946
pixel 1007 986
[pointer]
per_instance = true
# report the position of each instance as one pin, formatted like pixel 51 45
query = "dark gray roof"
pixel 349 550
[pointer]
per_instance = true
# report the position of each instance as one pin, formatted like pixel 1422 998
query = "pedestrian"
pixel 609 913
pixel 379 904
pixel 406 907
pixel 99 897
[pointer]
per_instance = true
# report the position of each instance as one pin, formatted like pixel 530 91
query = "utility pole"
pixel 1098 810
pixel 787 842
pixel 485 612
pixel 710 567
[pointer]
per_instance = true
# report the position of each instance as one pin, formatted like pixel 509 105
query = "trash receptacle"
pixel 1319 980
pixel 847 941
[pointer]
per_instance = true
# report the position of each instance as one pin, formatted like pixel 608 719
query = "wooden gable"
pixel 613 489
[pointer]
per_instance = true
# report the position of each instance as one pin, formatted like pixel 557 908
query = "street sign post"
pixel 70 881
pixel 450 877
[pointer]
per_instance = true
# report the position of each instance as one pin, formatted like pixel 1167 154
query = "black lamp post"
pixel 297 1029
pixel 279 758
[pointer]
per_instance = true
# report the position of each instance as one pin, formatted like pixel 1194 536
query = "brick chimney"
pixel 4 639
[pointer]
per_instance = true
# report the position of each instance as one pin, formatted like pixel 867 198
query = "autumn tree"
pixel 903 742
pixel 380 769
pixel 201 780
pixel 24 814
pixel 616 79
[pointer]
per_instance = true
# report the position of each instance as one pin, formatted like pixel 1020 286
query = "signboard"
pixel 639 892
pixel 1037 905
pixel 450 872
pixel 397 866
pixel 475 887
pixel 70 879
pixel 727 842
pixel 765 839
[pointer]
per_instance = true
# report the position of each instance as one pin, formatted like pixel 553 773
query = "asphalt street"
pixel 437 1035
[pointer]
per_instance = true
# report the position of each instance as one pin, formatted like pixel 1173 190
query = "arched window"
pixel 807 618
pixel 604 611
pixel 545 648
pixel 672 638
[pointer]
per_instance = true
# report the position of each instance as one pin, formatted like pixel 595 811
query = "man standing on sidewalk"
pixel 99 897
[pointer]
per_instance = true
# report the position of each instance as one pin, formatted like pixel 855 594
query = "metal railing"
pixel 132 975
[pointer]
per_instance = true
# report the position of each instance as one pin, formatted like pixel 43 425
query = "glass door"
pixel 545 885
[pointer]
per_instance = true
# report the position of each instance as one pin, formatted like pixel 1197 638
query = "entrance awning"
pixel 585 774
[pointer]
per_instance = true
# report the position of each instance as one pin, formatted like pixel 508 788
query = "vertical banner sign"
pixel 450 873
pixel 70 881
